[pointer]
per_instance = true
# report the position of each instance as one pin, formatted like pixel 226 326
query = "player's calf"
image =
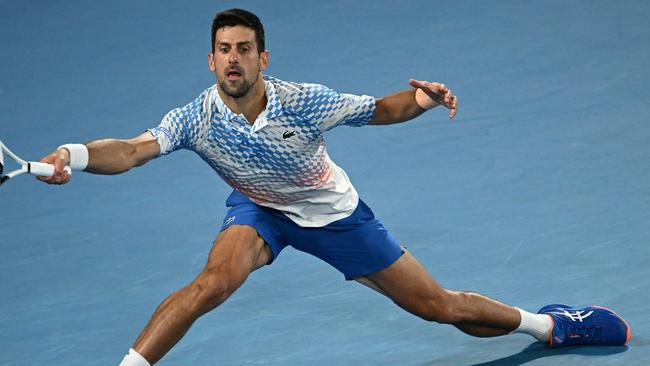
pixel 454 307
pixel 440 307
pixel 470 312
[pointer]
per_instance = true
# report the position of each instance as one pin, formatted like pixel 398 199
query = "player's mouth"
pixel 233 75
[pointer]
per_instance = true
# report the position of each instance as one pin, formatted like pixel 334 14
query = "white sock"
pixel 536 325
pixel 133 358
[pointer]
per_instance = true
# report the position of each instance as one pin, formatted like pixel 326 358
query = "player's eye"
pixel 223 49
pixel 244 50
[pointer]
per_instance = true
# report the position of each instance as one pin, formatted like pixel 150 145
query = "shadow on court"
pixel 537 351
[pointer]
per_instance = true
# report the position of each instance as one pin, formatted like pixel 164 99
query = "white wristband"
pixel 78 155
pixel 424 101
pixel 133 358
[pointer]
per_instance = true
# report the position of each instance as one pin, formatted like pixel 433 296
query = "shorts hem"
pixel 374 270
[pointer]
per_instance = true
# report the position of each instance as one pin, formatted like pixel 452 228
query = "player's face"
pixel 236 61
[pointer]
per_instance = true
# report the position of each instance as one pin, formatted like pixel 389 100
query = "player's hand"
pixel 430 95
pixel 60 158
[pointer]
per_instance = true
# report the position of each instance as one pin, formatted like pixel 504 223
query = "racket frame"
pixel 30 167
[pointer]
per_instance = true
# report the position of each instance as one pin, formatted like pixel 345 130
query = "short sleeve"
pixel 328 108
pixel 181 127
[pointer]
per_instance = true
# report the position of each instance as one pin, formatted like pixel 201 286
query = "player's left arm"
pixel 408 104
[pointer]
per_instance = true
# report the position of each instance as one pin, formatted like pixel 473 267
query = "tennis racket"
pixel 31 167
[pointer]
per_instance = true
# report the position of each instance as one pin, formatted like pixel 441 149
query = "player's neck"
pixel 250 105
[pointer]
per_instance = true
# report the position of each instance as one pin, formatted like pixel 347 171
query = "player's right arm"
pixel 181 128
pixel 107 156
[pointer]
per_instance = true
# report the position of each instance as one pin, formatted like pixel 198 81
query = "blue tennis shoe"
pixel 593 325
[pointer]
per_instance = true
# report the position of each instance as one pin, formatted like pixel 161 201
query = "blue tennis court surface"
pixel 538 192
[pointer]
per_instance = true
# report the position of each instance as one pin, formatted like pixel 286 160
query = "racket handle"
pixel 44 169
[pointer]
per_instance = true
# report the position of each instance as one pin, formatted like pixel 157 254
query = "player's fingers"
pixel 418 83
pixel 454 101
pixel 66 177
pixel 432 92
pixel 443 93
pixel 447 97
pixel 454 107
pixel 48 180
pixel 49 159
pixel 442 90
pixel 58 170
pixel 439 90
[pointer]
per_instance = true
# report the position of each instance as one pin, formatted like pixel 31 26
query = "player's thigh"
pixel 239 248
pixel 408 284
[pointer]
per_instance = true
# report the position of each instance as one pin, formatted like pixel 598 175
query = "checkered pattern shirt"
pixel 281 160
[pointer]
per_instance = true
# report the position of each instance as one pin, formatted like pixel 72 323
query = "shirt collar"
pixel 273 104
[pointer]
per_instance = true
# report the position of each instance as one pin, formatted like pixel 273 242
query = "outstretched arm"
pixel 108 156
pixel 408 104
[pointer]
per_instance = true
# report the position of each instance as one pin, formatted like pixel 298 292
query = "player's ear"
pixel 264 60
pixel 211 62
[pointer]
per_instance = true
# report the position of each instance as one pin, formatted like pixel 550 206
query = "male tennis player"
pixel 264 137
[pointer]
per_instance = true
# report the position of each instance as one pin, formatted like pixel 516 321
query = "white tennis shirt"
pixel 281 160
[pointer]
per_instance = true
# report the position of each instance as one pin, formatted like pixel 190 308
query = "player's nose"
pixel 233 57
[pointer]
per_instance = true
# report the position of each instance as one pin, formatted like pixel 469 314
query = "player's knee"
pixel 210 289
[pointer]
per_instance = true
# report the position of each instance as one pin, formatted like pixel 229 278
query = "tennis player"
pixel 264 137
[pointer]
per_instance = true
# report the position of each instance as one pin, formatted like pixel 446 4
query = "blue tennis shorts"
pixel 356 245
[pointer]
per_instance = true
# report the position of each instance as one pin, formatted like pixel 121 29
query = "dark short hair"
pixel 233 17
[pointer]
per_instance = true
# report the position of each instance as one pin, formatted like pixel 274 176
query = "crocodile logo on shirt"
pixel 288 134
